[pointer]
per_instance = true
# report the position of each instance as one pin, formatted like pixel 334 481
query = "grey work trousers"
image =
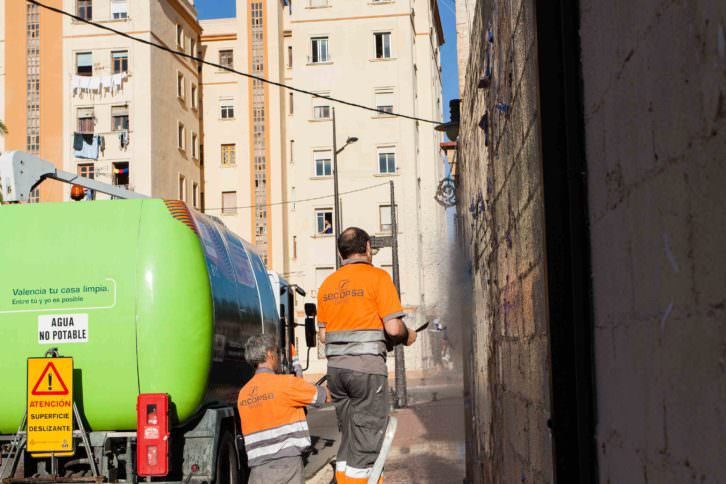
pixel 285 470
pixel 361 405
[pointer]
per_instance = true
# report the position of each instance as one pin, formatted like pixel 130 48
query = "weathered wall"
pixel 501 226
pixel 655 111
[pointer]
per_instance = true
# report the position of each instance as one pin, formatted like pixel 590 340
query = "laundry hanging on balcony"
pixel 98 84
pixel 120 171
pixel 86 146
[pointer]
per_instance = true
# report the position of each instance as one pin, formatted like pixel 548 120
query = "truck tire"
pixel 227 466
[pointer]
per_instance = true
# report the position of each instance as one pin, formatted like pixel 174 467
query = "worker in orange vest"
pixel 273 420
pixel 359 311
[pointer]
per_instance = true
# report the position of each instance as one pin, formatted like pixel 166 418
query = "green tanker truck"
pixel 148 297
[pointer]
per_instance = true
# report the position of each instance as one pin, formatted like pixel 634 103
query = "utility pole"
pixel 336 202
pixel 401 392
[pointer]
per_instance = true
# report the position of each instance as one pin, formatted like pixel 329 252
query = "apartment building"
pixel 99 104
pixel 31 94
pixel 244 130
pixel 132 112
pixel 383 54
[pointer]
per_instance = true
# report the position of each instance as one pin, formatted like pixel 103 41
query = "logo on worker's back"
pixel 343 292
pixel 63 328
pixel 252 398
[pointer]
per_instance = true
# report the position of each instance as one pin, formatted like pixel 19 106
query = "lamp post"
pixel 336 194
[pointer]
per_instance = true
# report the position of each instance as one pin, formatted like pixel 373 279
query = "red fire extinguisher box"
pixel 152 434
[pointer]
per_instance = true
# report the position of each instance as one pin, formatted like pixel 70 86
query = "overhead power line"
pixel 287 202
pixel 229 69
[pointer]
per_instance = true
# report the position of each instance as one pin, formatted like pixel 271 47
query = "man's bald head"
pixel 353 241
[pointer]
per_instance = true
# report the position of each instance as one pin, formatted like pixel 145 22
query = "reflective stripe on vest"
pixel 362 342
pixel 286 440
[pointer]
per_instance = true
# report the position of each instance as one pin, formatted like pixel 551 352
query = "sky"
pixel 449 71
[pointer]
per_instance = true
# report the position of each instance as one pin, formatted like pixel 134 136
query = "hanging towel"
pixel 117 80
pixel 89 147
pixel 77 141
pixel 106 82
pixel 123 139
pixel 75 83
pixel 94 83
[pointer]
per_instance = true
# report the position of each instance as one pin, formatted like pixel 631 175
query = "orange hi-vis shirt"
pixel 272 416
pixel 353 304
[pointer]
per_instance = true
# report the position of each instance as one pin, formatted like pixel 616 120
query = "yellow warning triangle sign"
pixel 50 382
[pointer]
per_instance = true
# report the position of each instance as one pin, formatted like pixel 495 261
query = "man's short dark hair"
pixel 352 241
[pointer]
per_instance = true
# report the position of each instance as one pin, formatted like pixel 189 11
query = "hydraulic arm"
pixel 21 172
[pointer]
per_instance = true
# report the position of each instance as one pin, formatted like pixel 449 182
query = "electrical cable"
pixel 229 69
pixel 287 202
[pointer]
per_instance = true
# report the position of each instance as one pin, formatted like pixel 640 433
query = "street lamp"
pixel 336 195
pixel 452 127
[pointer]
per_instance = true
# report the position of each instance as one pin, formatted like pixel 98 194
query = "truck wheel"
pixel 227 469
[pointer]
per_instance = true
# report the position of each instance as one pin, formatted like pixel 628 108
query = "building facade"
pixel 31 90
pixel 379 54
pixel 101 105
pixel 384 55
pixel 244 129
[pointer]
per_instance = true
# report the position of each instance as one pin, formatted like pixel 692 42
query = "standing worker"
pixel 273 420
pixel 358 312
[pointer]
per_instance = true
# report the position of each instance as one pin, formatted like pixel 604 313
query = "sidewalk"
pixel 429 443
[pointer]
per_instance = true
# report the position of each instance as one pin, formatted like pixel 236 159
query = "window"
pixel 180 85
pixel 226 58
pixel 320 50
pixel 383 45
pixel 324 221
pixel 193 47
pixel 323 163
pixel 226 108
pixel 180 135
pixel 194 96
pixel 121 173
pixel 229 154
pixel 180 36
pixel 119 9
pixel 119 118
pixel 87 170
pixel 321 112
pixel 195 146
pixel 384 101
pixel 384 212
pixel 84 9
pixel 84 64
pixel 292 151
pixel 182 188
pixel 86 120
pixel 195 195
pixel 120 61
pixel 290 104
pixel 289 56
pixel 386 161
pixel 229 203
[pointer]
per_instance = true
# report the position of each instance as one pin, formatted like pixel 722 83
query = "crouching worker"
pixel 272 416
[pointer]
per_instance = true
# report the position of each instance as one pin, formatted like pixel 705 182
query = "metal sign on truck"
pixel 50 405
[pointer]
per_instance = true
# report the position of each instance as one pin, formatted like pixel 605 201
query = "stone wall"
pixel 501 222
pixel 655 111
